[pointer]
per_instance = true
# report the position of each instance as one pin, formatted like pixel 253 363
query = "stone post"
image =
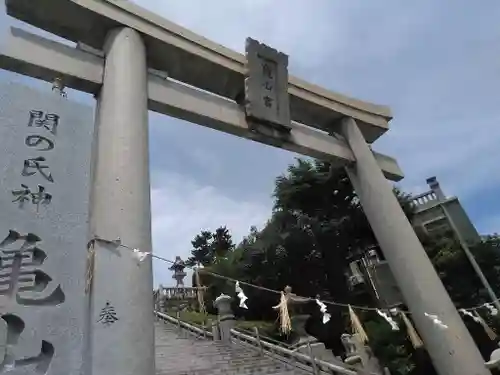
pixel 121 317
pixel 215 330
pixel 156 300
pixel 161 298
pixel 360 355
pixel 225 317
pixel 452 350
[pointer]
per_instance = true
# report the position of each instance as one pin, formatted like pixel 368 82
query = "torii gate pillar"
pixel 452 349
pixel 120 208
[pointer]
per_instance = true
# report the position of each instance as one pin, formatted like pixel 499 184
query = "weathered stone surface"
pixel 266 85
pixel 43 230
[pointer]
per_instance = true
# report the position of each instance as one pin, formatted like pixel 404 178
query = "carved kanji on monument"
pixel 37 197
pixel 48 121
pixel 22 279
pixel 11 329
pixel 266 86
pixel 107 315
pixel 45 145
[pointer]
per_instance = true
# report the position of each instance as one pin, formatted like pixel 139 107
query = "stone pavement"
pixel 179 353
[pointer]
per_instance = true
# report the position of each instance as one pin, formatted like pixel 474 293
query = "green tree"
pixel 201 254
pixel 456 272
pixel 208 246
pixel 316 226
pixel 228 266
pixel 222 243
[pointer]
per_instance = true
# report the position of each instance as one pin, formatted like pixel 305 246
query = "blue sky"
pixel 435 63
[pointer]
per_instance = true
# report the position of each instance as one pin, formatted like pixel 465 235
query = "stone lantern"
pixel 298 319
pixel 301 341
pixel 179 274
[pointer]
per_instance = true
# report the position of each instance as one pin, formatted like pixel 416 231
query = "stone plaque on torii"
pixel 266 90
pixel 141 63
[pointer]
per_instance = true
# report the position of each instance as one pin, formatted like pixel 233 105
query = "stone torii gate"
pixel 137 61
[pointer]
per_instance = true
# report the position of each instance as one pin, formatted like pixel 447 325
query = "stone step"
pixel 183 354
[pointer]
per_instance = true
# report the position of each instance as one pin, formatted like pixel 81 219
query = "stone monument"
pixel 46 146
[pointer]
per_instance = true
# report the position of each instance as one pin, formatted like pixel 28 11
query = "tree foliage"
pixel 208 246
pixel 456 272
pixel 316 228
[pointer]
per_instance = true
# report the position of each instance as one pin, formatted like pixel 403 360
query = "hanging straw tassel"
pixel 199 292
pixel 283 316
pixel 491 334
pixel 415 339
pixel 89 274
pixel 357 327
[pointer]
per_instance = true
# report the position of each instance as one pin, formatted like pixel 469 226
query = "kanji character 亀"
pixel 30 240
pixel 22 278
pixel 14 328
pixel 47 120
pixel 43 143
pixel 33 165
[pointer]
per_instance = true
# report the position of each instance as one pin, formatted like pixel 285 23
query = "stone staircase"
pixel 180 352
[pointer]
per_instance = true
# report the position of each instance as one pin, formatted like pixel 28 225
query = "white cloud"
pixel 426 60
pixel 289 25
pixel 433 94
pixel 181 209
pixel 460 154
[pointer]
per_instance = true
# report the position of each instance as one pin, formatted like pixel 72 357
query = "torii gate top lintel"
pixel 190 58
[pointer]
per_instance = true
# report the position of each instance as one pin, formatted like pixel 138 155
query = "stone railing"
pixel 278 351
pixel 284 353
pixel 223 330
pixel 178 292
pixel 174 298
pixel 281 351
pixel 305 353
pixel 196 330
pixel 424 199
